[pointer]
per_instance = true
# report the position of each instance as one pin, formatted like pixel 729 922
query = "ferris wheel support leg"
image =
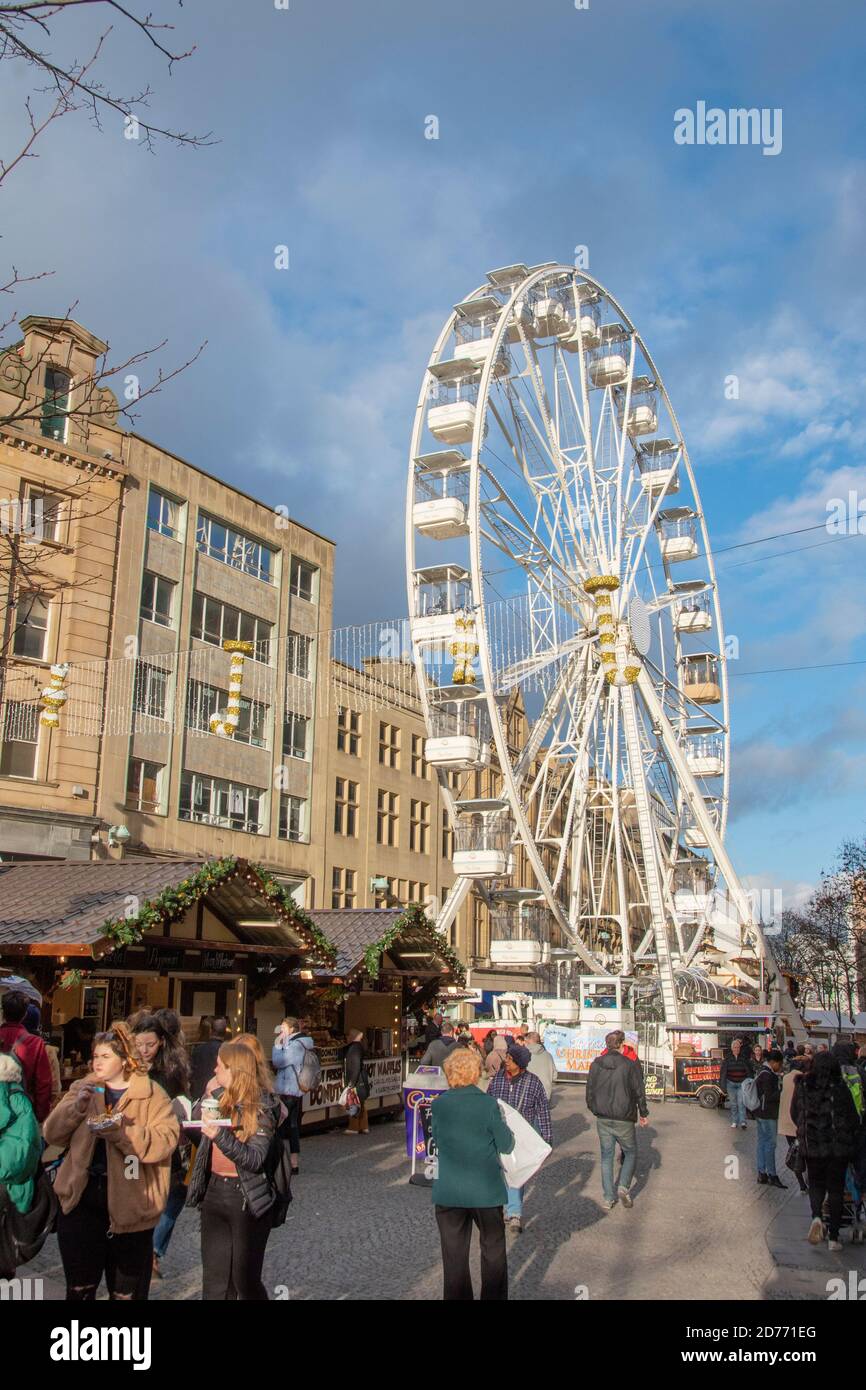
pixel 649 847
pixel 453 903
pixel 780 999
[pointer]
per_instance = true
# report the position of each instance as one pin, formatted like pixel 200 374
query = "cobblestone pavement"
pixel 358 1230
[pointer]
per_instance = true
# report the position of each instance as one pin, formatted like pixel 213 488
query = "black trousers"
pixel 455 1232
pixel 827 1175
pixel 232 1244
pixel 88 1250
pixel 290 1129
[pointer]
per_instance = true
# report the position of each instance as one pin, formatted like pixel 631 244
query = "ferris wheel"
pixel 558 564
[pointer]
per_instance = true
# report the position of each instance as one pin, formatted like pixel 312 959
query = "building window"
pixel 349 732
pixel 55 404
pixel 142 785
pixel 420 766
pixel 293 819
pixel 302 583
pixel 204 701
pixel 157 599
pixel 43 516
pixel 233 548
pixel 150 690
pixel 295 735
pixel 212 801
pixel 346 807
pixel 31 627
pixel 447 837
pixel 20 739
pixel 389 745
pixel 419 826
pixel 299 655
pixel 343 888
pixel 216 622
pixel 163 514
pixel 387 819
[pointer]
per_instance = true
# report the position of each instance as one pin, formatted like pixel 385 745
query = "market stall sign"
pixel 156 958
pixel 693 1072
pixel 218 960
pixel 654 1087
pixel 575 1049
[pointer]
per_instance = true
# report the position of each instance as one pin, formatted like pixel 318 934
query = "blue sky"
pixel 555 130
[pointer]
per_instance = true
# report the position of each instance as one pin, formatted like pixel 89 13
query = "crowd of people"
pixel 153 1127
pixel 814 1097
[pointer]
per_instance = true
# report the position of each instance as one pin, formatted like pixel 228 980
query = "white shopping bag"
pixel 529 1151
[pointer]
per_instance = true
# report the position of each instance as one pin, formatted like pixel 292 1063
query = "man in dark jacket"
pixel 769 1087
pixel 203 1058
pixel 736 1067
pixel 615 1095
pixel 439 1048
pixel 29 1051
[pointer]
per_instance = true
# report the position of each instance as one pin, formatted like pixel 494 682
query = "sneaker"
pixel 816 1231
pixel 609 1203
pixel 762 1177
pixel 625 1198
pixel 744 1125
pixel 733 1124
pixel 514 1225
pixel 834 1245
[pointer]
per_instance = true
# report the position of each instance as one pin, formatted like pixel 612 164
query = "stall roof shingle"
pixel 352 929
pixel 69 902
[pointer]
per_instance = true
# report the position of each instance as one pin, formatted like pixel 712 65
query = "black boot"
pixel 762 1177
pixel 777 1182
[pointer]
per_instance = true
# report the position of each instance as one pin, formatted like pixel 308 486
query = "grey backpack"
pixel 310 1074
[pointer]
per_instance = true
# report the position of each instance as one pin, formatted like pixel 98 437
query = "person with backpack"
pixel 298 1070
pixel 736 1067
pixel 232 1180
pixel 616 1096
pixel 762 1094
pixel 29 1051
pixel 20 1152
pixel 439 1048
pixel 355 1074
pixel 829 1131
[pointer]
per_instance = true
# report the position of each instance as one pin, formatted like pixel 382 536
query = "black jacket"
pixel 615 1088
pixel 769 1085
pixel 828 1125
pixel 253 1160
pixel 354 1071
pixel 743 1062
pixel 437 1051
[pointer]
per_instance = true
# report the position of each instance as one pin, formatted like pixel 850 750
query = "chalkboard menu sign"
pixel 694 1072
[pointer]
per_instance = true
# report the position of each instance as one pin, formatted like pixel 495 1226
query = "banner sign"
pixel 385 1073
pixel 654 1086
pixel 692 1072
pixel 575 1049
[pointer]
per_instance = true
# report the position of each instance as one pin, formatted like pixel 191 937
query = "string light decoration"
pixel 464 650
pixel 54 696
pixel 225 724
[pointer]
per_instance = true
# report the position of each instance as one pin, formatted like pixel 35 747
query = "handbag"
pixel 350 1100
pixel 23 1234
pixel 529 1151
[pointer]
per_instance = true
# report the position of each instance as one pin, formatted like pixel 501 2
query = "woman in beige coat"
pixel 119 1132
pixel 790 1080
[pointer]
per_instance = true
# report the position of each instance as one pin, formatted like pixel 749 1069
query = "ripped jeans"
pixel 88 1250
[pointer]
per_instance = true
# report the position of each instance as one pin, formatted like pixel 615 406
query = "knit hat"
pixel 32 1020
pixel 520 1055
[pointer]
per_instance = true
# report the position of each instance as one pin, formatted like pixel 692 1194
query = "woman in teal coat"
pixel 20 1140
pixel 469 1134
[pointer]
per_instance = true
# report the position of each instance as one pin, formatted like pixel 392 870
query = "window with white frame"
pixel 163 514
pixel 299 655
pixel 231 547
pixel 295 731
pixel 44 515
pixel 142 785
pixel 55 404
pixel 214 801
pixel 203 701
pixel 293 819
pixel 157 599
pixel 303 580
pixel 30 637
pixel 150 691
pixel 20 739
pixel 216 622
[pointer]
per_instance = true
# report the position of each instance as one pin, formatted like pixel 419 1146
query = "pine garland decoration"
pixel 413 918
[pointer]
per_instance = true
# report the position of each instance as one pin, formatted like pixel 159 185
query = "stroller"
pixel 853 1210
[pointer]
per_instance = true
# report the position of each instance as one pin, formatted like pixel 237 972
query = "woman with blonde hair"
pixel 230 1180
pixel 470 1133
pixel 109 1207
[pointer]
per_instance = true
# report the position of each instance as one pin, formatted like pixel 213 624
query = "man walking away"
pixel 440 1047
pixel 541 1064
pixel 736 1067
pixel 29 1052
pixel 769 1092
pixel 516 1085
pixel 615 1096
pixel 203 1058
